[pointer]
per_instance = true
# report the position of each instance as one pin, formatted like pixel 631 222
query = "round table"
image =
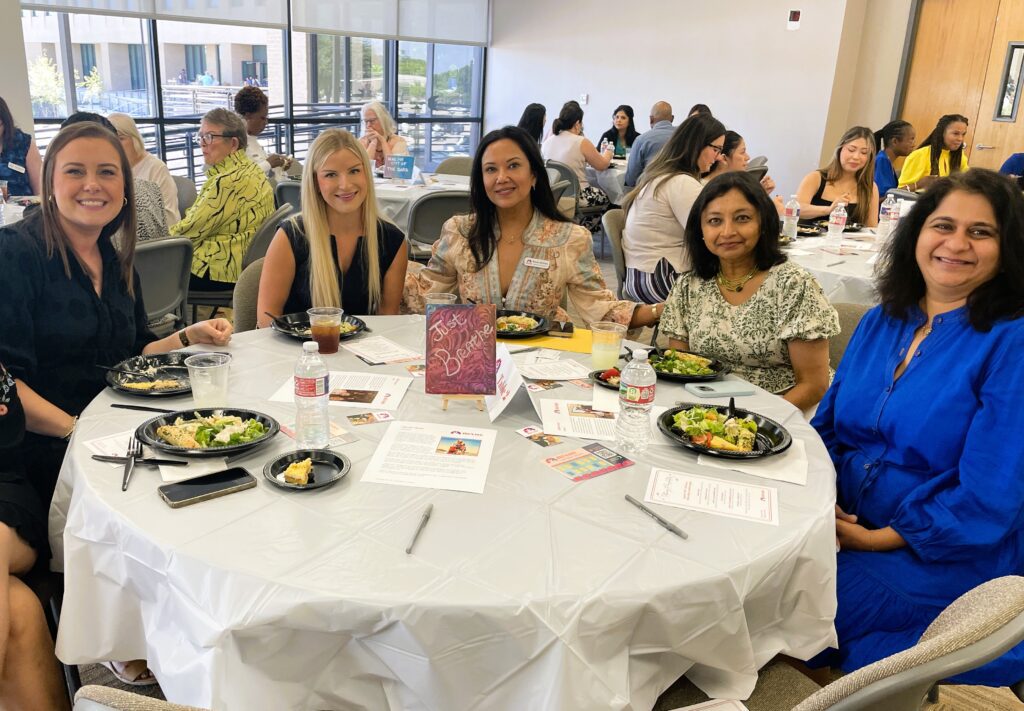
pixel 612 180
pixel 539 593
pixel 395 199
pixel 846 274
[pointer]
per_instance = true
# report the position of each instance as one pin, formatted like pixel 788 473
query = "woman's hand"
pixel 844 198
pixel 216 331
pixel 924 181
pixel 851 536
pixel 767 183
pixel 277 160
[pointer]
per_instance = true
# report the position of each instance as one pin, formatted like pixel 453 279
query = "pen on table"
pixel 836 264
pixel 667 525
pixel 419 529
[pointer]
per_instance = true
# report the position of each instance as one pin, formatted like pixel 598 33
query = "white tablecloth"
pixel 395 200
pixel 612 180
pixel 846 275
pixel 539 593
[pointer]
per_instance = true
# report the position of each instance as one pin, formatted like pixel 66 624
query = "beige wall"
pixel 14 77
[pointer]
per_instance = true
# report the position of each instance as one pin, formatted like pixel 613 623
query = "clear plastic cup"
pixel 208 373
pixel 605 344
pixel 325 325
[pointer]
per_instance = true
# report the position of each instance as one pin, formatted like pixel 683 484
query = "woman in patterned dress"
pixel 515 249
pixel 743 302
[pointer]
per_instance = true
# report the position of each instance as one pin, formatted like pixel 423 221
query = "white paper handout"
pixel 576 418
pixel 115 445
pixel 713 496
pixel 606 399
pixel 361 390
pixel 432 457
pixel 378 350
pixel 715 705
pixel 790 466
pixel 556 370
pixel 508 382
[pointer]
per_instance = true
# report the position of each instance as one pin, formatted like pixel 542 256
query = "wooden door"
pixel 949 62
pixel 1000 129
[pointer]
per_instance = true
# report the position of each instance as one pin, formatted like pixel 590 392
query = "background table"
pixel 612 180
pixel 395 200
pixel 845 278
pixel 539 593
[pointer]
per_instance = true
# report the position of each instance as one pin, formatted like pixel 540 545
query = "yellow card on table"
pixel 579 343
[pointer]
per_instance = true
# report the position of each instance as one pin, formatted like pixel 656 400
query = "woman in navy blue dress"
pixel 923 423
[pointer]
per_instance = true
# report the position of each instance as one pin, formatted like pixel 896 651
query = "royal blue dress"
pixel 885 175
pixel 937 455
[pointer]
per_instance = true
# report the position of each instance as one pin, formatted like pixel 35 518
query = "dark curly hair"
pixel 900 282
pixel 249 100
pixel 767 252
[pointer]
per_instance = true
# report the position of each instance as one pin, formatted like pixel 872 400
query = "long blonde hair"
pixel 323 279
pixel 865 177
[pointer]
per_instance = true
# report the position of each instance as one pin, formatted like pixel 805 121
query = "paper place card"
pixel 378 350
pixel 538 386
pixel 714 496
pixel 555 370
pixel 537 436
pixel 369 418
pixel 585 384
pixel 606 400
pixel 526 355
pixel 790 466
pixel 507 383
pixel 359 390
pixel 115 445
pixel 588 462
pixel 575 418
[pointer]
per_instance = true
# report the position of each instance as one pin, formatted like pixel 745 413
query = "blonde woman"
pixel 145 165
pixel 339 251
pixel 380 137
pixel 849 179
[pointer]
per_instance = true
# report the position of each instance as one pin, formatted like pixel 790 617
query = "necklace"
pixel 926 330
pixel 735 284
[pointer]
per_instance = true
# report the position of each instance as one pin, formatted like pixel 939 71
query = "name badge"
pixel 17 168
pixel 539 263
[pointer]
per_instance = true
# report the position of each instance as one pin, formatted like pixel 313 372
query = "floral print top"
pixel 558 258
pixel 752 337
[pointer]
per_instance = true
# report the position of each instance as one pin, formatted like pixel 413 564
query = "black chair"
pixel 426 217
pixel 288 192
pixel 164 267
pixel 186 193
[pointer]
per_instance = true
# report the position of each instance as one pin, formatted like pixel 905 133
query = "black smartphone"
pixel 561 329
pixel 206 487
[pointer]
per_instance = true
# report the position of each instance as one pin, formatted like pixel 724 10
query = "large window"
pixel 313 79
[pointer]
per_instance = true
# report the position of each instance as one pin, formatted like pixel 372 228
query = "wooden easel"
pixel 478 398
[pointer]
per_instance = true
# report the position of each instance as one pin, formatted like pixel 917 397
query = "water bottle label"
pixel 636 395
pixel 311 387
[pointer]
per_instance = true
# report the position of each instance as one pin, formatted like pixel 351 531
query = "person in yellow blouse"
pixel 940 154
pixel 235 200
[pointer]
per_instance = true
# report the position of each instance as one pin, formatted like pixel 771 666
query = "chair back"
pixel 265 234
pixel 758 171
pixel 979 626
pixel 757 161
pixel 613 221
pixel 186 193
pixel 106 698
pixel 849 316
pixel 455 165
pixel 247 291
pixel 288 192
pixel 553 175
pixel 164 267
pixel 566 173
pixel 901 194
pixel 558 189
pixel 429 213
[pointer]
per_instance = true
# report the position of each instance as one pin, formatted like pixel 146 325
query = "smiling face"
pixel 739 158
pixel 954 135
pixel 88 186
pixel 256 121
pixel 342 181
pixel 854 155
pixel 620 120
pixel 217 148
pixel 508 178
pixel 710 154
pixel 958 247
pixel 731 227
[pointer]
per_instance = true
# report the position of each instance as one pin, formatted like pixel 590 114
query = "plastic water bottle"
pixel 636 396
pixel 790 217
pixel 836 224
pixel 604 145
pixel 885 217
pixel 312 392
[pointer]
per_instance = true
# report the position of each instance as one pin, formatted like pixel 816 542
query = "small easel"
pixel 478 398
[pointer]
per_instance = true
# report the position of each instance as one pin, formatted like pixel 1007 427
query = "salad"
pixel 216 430
pixel 681 363
pixel 612 376
pixel 707 427
pixel 515 324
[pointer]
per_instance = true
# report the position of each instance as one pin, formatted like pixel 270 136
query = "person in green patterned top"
pixel 235 200
pixel 743 302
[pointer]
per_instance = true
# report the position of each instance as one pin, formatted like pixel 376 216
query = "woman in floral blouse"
pixel 743 302
pixel 516 250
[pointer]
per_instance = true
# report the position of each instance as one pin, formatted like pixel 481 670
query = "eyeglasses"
pixel 718 149
pixel 203 139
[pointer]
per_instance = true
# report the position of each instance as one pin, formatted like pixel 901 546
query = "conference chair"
pixel 901 194
pixel 757 161
pixel 613 221
pixel 288 192
pixel 105 698
pixel 186 193
pixel 553 175
pixel 849 316
pixel 246 294
pixel 579 211
pixel 565 205
pixel 164 266
pixel 455 165
pixel 426 217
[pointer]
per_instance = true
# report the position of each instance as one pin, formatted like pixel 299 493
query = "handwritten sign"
pixel 460 349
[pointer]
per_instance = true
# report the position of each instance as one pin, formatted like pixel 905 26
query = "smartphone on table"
pixel 206 487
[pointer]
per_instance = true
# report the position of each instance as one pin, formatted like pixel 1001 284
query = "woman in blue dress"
pixel 892 141
pixel 20 164
pixel 923 423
